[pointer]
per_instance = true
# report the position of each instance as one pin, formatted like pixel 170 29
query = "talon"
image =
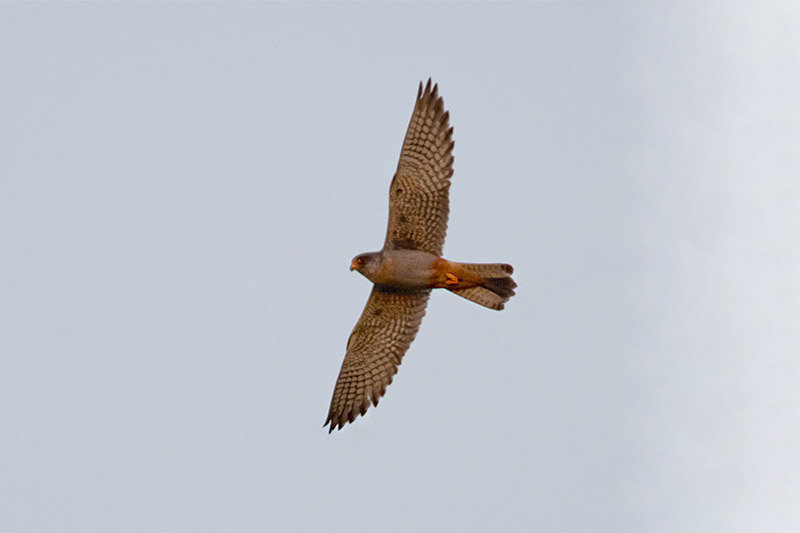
pixel 451 279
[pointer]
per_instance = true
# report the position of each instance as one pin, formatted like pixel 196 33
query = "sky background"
pixel 182 187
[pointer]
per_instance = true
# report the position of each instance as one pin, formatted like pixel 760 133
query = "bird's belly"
pixel 407 269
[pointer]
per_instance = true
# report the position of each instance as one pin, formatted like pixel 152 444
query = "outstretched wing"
pixel 418 197
pixel 376 347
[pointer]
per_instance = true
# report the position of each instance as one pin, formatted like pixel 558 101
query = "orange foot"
pixel 451 279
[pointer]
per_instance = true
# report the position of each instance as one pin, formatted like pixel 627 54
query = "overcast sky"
pixel 182 187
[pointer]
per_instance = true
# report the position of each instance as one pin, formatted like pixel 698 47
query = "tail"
pixel 494 284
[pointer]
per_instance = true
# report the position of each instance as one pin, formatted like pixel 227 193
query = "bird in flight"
pixel 410 264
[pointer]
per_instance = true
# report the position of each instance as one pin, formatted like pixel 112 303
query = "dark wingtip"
pixel 427 92
pixel 332 423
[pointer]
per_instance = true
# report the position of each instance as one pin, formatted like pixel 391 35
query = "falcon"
pixel 410 264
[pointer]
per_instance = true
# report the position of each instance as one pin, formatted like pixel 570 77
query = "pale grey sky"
pixel 182 187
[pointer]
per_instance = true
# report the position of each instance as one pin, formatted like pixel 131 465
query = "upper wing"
pixel 376 347
pixel 418 196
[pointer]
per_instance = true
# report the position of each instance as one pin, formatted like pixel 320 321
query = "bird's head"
pixel 366 263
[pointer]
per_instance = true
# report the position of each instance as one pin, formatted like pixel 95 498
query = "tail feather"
pixel 503 287
pixel 495 285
